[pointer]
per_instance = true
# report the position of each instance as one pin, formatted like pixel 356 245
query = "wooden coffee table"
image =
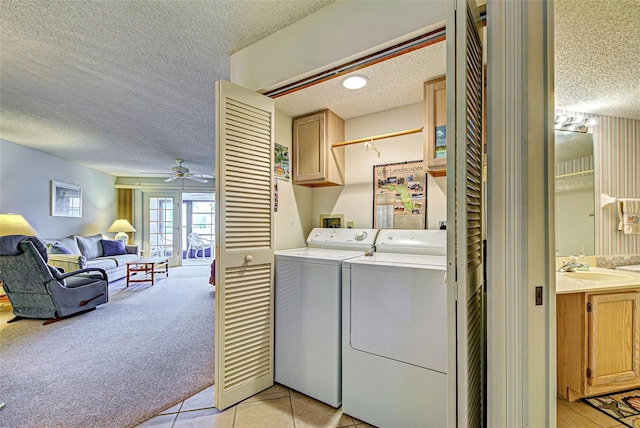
pixel 148 267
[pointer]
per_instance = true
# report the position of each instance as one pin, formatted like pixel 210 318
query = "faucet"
pixel 571 266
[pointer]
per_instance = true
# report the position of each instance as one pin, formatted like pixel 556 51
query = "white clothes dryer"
pixel 394 331
pixel 308 311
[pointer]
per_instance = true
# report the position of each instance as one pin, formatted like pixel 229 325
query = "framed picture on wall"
pixel 400 196
pixel 281 162
pixel 66 200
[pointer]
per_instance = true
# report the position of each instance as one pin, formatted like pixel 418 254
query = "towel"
pixel 629 212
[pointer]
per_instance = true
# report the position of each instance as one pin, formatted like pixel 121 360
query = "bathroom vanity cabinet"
pixel 315 162
pixel 598 342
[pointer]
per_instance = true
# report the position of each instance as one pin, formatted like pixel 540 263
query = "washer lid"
pixel 412 241
pixel 418 261
pixel 317 255
pixel 346 239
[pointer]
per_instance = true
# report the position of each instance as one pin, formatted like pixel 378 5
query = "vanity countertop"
pixel 595 279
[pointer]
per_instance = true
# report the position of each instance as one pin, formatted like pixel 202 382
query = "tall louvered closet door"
pixel 464 204
pixel 244 244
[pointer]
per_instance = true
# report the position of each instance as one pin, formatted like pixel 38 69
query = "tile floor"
pixel 277 406
pixel 281 407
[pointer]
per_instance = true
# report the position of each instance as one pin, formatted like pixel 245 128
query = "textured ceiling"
pixel 597 56
pixel 125 87
pixel 393 83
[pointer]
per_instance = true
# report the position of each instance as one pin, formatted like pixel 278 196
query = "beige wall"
pixel 355 198
pixel 292 221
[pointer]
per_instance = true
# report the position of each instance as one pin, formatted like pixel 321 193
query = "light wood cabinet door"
pixel 315 162
pixel 435 132
pixel 614 340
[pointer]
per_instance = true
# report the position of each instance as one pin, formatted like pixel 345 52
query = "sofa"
pixel 81 252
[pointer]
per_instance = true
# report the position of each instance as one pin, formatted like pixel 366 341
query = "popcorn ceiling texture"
pixel 125 87
pixel 597 51
pixel 108 84
pixel 394 83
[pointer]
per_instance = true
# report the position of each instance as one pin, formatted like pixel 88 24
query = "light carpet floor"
pixel 147 349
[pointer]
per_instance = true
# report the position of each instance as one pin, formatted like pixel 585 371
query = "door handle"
pixel 248 258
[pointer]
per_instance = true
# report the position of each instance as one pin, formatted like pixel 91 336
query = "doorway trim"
pixel 520 228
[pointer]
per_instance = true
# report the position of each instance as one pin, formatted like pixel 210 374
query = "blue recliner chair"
pixel 37 290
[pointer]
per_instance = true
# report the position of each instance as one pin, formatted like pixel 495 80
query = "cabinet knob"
pixel 248 258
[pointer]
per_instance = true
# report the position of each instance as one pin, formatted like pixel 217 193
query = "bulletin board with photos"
pixel 400 196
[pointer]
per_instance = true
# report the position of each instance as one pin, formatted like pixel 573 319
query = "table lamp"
pixel 15 224
pixel 121 226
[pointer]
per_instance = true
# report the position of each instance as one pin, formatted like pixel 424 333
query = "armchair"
pixel 37 290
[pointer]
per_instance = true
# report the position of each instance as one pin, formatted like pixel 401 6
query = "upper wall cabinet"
pixel 435 131
pixel 315 163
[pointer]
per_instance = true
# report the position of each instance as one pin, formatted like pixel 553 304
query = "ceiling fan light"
pixel 355 82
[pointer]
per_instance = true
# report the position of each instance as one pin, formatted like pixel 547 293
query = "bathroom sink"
pixel 597 276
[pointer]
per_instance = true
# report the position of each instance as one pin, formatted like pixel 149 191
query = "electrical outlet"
pixel 350 224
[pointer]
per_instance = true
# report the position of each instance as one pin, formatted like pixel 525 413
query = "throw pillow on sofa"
pixel 57 248
pixel 113 247
pixel 90 246
pixel 69 243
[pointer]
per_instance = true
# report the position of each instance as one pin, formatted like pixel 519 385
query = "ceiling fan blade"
pixel 170 179
pixel 198 179
pixel 202 175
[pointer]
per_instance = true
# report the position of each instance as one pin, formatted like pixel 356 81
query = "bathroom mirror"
pixel 574 192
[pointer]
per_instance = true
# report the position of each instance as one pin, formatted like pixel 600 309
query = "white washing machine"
pixel 308 312
pixel 394 331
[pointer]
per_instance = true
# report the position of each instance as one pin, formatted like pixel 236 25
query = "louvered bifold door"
pixel 244 244
pixel 464 143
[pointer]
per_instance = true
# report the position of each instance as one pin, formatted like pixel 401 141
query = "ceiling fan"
pixel 181 171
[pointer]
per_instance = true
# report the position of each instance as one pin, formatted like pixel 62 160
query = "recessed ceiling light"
pixel 355 82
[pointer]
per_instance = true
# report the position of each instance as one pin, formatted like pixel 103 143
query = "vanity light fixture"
pixel 356 81
pixel 575 124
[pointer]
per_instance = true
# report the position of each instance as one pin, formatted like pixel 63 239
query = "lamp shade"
pixel 15 224
pixel 121 225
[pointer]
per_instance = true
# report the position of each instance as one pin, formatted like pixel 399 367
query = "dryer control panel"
pixel 354 239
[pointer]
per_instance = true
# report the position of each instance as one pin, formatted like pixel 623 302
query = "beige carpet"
pixel 147 349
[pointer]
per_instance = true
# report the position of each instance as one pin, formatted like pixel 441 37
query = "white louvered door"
pixel 244 244
pixel 464 204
